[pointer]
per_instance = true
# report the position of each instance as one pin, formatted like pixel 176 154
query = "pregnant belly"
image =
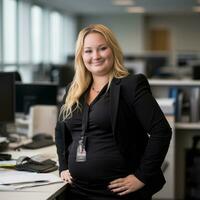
pixel 97 168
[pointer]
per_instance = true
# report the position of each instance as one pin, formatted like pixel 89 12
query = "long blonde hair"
pixel 82 78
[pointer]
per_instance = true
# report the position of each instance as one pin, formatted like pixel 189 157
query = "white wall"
pixel 127 28
pixel 184 29
pixel 131 30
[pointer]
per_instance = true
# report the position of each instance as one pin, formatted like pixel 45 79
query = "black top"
pixel 104 161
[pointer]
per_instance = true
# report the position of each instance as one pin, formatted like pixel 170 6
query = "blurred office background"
pixel 159 38
pixel 36 36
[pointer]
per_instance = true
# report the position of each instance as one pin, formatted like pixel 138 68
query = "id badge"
pixel 81 152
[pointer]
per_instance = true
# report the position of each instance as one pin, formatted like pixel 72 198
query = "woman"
pixel 112 137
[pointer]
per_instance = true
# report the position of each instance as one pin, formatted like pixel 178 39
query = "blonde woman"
pixel 102 136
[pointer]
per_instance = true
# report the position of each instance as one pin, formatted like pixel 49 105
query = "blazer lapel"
pixel 114 102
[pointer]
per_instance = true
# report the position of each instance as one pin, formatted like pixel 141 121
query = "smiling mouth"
pixel 98 63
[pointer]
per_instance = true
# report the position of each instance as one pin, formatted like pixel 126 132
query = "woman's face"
pixel 97 55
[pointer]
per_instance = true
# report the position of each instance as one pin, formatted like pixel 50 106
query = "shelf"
pixel 174 82
pixel 187 125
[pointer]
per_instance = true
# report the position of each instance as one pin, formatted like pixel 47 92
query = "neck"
pixel 98 84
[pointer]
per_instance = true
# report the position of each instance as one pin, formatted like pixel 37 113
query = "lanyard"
pixel 81 151
pixel 84 120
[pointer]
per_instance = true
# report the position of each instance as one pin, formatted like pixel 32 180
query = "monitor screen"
pixel 65 76
pixel 61 74
pixel 184 60
pixel 29 94
pixel 7 99
pixel 154 64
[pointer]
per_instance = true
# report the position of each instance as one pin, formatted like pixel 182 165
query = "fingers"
pixel 121 190
pixel 125 185
pixel 66 176
pixel 119 186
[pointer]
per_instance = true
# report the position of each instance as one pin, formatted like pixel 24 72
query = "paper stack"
pixel 16 180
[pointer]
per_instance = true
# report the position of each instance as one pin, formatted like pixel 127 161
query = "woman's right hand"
pixel 66 176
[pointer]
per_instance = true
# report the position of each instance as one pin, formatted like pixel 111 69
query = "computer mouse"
pixel 42 136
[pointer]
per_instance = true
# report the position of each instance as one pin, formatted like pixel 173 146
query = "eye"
pixel 88 51
pixel 103 48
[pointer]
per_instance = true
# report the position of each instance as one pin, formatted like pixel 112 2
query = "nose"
pixel 96 54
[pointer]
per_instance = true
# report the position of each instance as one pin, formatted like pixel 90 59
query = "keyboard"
pixel 38 144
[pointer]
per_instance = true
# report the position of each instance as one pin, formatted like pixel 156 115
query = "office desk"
pixel 46 192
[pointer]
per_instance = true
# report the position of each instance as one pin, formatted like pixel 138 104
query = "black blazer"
pixel 140 129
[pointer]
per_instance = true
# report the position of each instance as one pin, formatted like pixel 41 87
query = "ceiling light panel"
pixel 135 9
pixel 123 2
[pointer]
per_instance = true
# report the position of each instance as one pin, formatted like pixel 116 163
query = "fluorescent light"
pixel 135 9
pixel 123 2
pixel 196 9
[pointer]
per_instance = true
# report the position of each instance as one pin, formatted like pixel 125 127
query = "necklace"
pixel 97 91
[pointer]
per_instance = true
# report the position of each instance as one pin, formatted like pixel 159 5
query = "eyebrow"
pixel 97 46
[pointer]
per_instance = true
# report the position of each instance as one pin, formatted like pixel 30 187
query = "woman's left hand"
pixel 126 185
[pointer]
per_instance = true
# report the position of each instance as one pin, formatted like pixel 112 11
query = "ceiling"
pixel 106 6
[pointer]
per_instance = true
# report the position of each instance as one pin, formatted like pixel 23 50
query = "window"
pixel 46 36
pixel 55 32
pixel 24 26
pixel 9 31
pixel 69 37
pixel 1 37
pixel 31 34
pixel 36 30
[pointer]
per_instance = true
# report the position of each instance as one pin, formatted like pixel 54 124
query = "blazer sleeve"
pixel 155 124
pixel 62 140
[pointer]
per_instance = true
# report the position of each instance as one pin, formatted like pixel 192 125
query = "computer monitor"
pixel 187 59
pixel 29 94
pixel 61 74
pixel 7 100
pixel 66 75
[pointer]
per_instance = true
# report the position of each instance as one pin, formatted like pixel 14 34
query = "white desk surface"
pixel 46 192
